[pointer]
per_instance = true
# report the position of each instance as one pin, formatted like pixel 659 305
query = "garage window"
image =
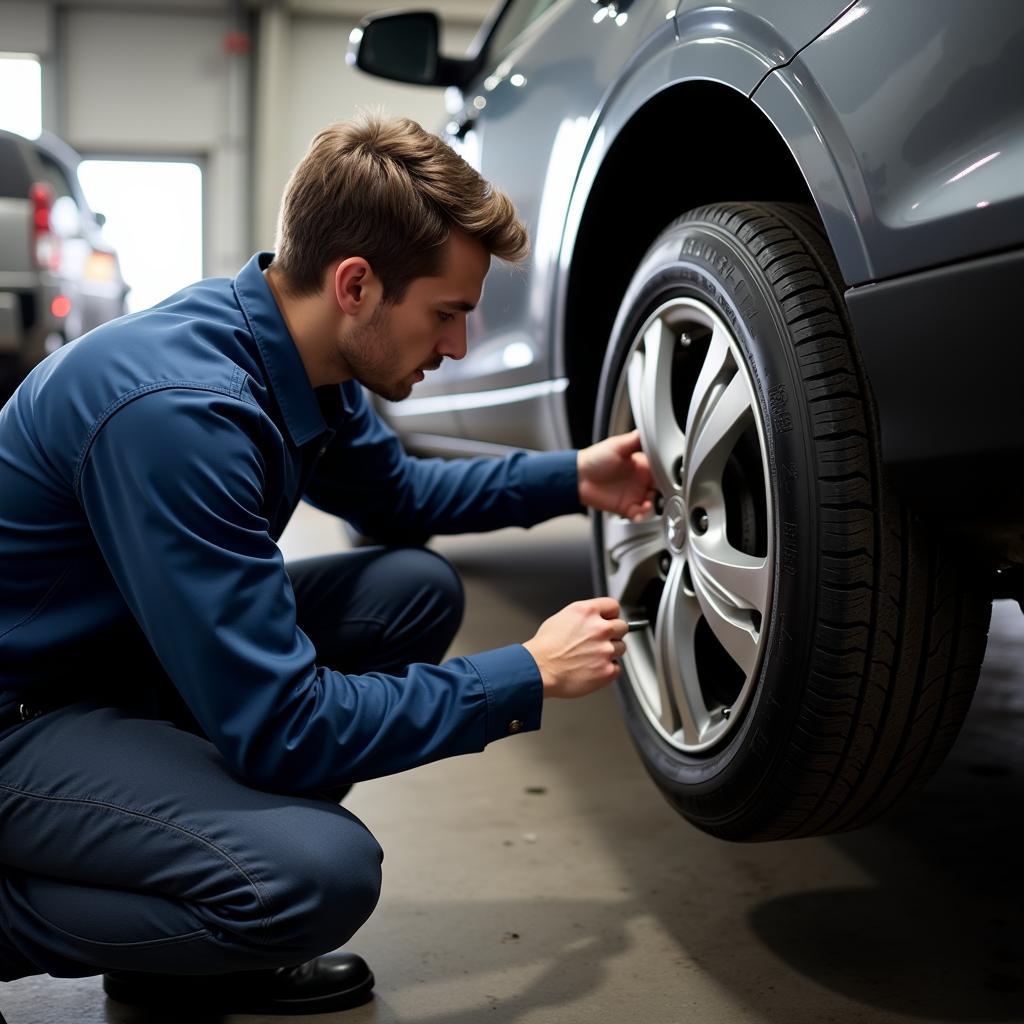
pixel 154 218
pixel 21 96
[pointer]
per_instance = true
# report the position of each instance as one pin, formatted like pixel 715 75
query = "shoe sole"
pixel 327 1003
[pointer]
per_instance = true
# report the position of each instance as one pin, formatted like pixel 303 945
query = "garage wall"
pixel 25 28
pixel 322 88
pixel 150 82
pixel 151 77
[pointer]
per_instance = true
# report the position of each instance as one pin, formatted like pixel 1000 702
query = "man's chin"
pixel 390 392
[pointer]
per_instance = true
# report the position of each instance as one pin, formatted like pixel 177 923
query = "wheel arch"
pixel 741 155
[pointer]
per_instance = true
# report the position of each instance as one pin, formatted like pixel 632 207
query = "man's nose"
pixel 454 344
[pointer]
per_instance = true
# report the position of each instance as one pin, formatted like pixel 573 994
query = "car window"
pixel 515 19
pixel 14 178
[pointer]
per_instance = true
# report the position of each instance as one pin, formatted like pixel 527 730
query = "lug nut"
pixel 700 520
pixel 664 563
pixel 659 505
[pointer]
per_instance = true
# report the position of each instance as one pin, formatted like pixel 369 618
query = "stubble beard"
pixel 368 358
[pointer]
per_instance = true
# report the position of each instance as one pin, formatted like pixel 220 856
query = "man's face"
pixel 401 342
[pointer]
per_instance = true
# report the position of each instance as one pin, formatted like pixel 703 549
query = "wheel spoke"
pixel 634 549
pixel 735 578
pixel 675 632
pixel 650 398
pixel 733 625
pixel 713 374
pixel 725 416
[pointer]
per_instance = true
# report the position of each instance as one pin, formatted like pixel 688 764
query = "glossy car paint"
pixel 918 106
pixel 905 119
pixel 538 121
pixel 901 117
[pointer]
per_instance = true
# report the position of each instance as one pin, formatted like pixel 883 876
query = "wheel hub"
pixel 675 523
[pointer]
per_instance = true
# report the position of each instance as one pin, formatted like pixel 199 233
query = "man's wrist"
pixel 546 680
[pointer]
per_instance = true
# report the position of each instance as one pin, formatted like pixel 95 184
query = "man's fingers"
pixel 638 512
pixel 618 628
pixel 606 607
pixel 625 444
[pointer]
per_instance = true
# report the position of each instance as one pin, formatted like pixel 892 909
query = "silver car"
pixel 783 239
pixel 59 277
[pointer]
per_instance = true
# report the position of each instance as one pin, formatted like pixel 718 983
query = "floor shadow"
pixel 572 940
pixel 940 932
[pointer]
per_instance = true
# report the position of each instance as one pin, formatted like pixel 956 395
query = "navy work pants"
pixel 126 843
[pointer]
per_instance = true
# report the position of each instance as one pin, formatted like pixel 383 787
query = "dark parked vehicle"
pixel 783 238
pixel 58 276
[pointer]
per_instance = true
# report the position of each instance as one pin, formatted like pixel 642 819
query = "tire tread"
pixel 887 691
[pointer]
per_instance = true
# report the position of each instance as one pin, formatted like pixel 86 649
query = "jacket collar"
pixel 286 373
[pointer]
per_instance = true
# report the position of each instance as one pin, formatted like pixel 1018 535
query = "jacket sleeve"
pixel 173 489
pixel 366 477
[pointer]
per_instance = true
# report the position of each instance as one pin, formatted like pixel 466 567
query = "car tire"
pixel 812 647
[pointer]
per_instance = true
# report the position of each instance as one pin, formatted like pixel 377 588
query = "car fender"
pixel 740 49
pixel 905 120
pixel 799 111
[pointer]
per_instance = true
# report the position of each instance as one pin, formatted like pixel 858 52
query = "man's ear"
pixel 356 286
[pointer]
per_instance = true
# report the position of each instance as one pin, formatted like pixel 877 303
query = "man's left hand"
pixel 615 476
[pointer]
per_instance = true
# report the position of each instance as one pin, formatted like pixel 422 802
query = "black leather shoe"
pixel 334 981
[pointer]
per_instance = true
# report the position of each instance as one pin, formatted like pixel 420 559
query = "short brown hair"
pixel 389 191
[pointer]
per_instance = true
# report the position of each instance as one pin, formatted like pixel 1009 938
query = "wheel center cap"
pixel 675 523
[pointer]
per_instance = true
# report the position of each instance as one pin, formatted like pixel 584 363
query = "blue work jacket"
pixel 146 472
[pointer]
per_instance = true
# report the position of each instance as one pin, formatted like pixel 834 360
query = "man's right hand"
pixel 577 649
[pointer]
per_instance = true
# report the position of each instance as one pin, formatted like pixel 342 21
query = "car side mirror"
pixel 404 47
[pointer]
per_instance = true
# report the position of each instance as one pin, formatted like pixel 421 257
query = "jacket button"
pixel 515 725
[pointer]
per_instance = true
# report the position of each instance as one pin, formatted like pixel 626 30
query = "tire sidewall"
pixel 697 258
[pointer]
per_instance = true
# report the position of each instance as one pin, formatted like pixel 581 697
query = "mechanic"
pixel 180 712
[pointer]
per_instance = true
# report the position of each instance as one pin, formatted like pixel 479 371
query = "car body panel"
pixel 26 291
pixel 903 121
pixel 748 35
pixel 90 271
pixel 942 180
pixel 925 212
pixel 569 84
pixel 961 429
pixel 545 88
pixel 735 46
pixel 87 277
pixel 15 237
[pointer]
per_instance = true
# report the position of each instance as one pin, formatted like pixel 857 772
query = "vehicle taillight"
pixel 100 266
pixel 45 244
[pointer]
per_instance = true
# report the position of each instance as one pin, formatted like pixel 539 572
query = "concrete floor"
pixel 545 880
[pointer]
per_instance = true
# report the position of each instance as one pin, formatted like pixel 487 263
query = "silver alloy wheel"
pixel 700 568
